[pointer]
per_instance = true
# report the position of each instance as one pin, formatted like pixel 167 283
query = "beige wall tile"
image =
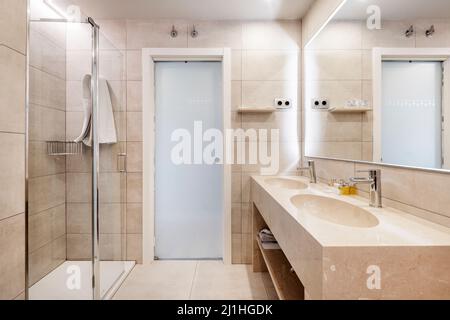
pixel 13 24
pixel 112 65
pixel 12 175
pixel 12 90
pixel 134 96
pixel 278 35
pixel 266 65
pixel 263 93
pixel 113 34
pixel 79 218
pixel 46 192
pixel 247 218
pixel 155 34
pixel 330 127
pixel 391 35
pixel 111 247
pixel 112 187
pixel 236 65
pixel 40 164
pixel 337 150
pixel 247 248
pixel 288 123
pixel 134 218
pixel 12 257
pixel 236 218
pixel 134 187
pixel 440 39
pixel 134 126
pixel 112 218
pixel 79 246
pixel 46 55
pixel 46 124
pixel 41 263
pixel 236 189
pixel 78 187
pixel 213 34
pixel 339 35
pixel 134 157
pixel 236 95
pixel 47 90
pixel 134 65
pixel 79 63
pixel 79 37
pixel 54 31
pixel 333 65
pixel 134 247
pixel 236 248
pixel 109 156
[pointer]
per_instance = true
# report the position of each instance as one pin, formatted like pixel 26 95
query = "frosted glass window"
pixel 188 198
pixel 412 114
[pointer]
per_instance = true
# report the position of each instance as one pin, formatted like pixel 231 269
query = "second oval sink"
pixel 286 183
pixel 335 211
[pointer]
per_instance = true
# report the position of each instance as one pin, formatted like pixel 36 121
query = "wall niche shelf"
pixel 256 109
pixel 349 109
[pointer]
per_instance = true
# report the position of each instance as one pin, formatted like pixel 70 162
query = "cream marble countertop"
pixel 395 228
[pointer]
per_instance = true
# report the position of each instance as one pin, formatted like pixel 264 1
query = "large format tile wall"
pixel 13 34
pixel 338 68
pixel 47 122
pixel 265 65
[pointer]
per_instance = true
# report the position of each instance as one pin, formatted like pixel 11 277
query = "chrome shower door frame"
pixel 95 162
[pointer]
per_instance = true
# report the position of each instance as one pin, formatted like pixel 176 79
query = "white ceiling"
pixel 194 9
pixel 396 9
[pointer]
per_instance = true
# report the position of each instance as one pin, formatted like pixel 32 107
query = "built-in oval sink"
pixel 286 183
pixel 335 211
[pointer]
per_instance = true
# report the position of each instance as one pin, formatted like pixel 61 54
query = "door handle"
pixel 122 162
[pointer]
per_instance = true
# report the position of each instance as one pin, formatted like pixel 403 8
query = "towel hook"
pixel 429 33
pixel 174 32
pixel 194 33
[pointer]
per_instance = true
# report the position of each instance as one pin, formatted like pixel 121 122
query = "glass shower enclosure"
pixel 76 158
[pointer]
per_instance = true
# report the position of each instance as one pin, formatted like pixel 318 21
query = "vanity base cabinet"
pixel 284 278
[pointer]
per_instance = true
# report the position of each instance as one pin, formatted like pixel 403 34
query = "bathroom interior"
pixel 225 150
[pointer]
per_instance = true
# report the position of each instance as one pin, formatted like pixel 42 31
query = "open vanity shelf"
pixel 349 109
pixel 286 282
pixel 256 109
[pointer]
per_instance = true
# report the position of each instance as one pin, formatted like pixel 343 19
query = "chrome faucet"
pixel 374 180
pixel 311 168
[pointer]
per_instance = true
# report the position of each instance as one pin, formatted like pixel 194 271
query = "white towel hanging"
pixel 106 124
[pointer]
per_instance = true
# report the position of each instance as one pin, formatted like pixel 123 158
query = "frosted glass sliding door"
pixel 188 197
pixel 412 113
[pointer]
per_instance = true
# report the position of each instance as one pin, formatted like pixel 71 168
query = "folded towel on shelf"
pixel 268 241
pixel 266 236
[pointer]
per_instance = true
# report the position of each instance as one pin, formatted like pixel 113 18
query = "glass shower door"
pixel 113 165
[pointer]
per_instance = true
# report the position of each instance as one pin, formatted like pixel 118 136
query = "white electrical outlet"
pixel 320 104
pixel 283 103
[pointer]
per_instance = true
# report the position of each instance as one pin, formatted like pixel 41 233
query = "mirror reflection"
pixel 377 84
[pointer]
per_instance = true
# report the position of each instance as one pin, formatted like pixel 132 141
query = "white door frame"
pixel 149 57
pixel 399 54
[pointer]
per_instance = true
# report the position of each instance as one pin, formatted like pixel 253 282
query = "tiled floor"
pixel 195 280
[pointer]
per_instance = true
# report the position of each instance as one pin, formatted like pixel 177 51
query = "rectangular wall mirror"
pixel 377 84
